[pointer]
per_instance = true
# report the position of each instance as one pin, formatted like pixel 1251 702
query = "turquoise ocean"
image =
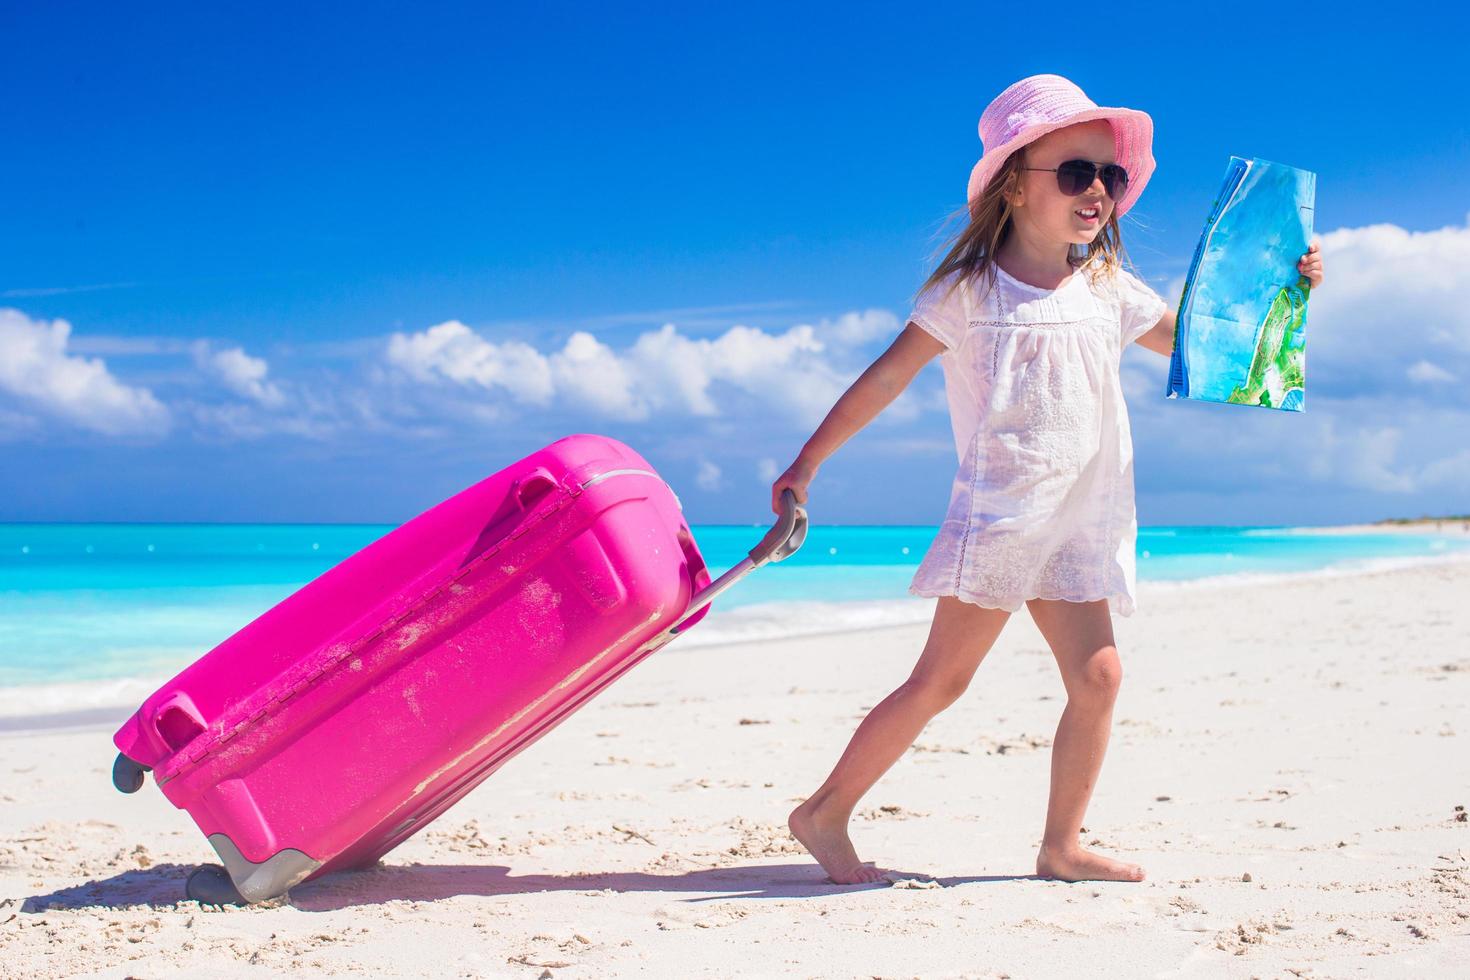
pixel 100 613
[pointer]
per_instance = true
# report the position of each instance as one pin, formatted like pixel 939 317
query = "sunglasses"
pixel 1075 176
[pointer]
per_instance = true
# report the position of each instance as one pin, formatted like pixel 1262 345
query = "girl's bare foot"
pixel 825 836
pixel 1076 864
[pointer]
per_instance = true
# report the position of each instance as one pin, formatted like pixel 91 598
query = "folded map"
pixel 1240 336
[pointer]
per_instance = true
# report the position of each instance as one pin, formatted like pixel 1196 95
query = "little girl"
pixel 1029 311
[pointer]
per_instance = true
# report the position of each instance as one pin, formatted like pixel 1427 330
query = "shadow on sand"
pixel 162 886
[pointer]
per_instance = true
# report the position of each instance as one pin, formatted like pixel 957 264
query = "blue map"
pixel 1240 337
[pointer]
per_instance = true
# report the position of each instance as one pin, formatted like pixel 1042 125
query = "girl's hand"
pixel 796 478
pixel 1310 265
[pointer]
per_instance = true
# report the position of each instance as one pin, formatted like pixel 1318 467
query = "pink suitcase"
pixel 346 718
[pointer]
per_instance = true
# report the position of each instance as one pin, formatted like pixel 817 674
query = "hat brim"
pixel 1133 133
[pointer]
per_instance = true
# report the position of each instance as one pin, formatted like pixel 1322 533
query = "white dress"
pixel 1042 503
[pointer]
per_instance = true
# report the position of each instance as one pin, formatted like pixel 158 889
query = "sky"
pixel 333 263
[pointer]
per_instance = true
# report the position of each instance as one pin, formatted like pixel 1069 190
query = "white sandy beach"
pixel 1287 762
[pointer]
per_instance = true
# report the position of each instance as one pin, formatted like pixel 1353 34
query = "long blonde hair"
pixel 971 250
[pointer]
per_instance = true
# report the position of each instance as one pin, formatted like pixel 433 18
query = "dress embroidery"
pixel 1042 502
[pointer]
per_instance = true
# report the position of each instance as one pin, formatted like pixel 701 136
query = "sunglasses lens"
pixel 1074 177
pixel 1115 180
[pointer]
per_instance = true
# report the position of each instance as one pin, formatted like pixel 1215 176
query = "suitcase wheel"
pixel 127 775
pixel 211 885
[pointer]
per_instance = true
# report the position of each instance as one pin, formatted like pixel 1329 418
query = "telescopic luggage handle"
pixel 785 536
pixel 782 541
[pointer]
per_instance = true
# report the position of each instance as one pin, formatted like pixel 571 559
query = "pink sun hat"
pixel 1038 104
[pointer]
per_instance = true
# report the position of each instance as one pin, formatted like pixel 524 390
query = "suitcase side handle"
pixel 530 488
pixel 177 721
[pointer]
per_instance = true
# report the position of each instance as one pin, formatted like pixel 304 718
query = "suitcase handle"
pixel 530 488
pixel 786 535
pixel 780 542
pixel 177 721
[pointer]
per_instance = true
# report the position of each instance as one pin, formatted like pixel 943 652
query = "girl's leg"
pixel 960 636
pixel 1081 638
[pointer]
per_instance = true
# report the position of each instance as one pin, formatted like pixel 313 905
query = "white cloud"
pixel 242 420
pixel 36 367
pixel 1451 472
pixel 38 291
pixel 661 372
pixel 16 425
pixel 1392 298
pixel 1388 335
pixel 1370 458
pixel 452 350
pixel 1422 372
pixel 1371 464
pixel 767 469
pixel 707 476
pixel 860 327
pixel 588 371
pixel 240 373
pixel 784 370
pixel 119 346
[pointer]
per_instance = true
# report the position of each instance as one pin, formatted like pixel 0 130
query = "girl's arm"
pixel 1160 337
pixel 883 381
